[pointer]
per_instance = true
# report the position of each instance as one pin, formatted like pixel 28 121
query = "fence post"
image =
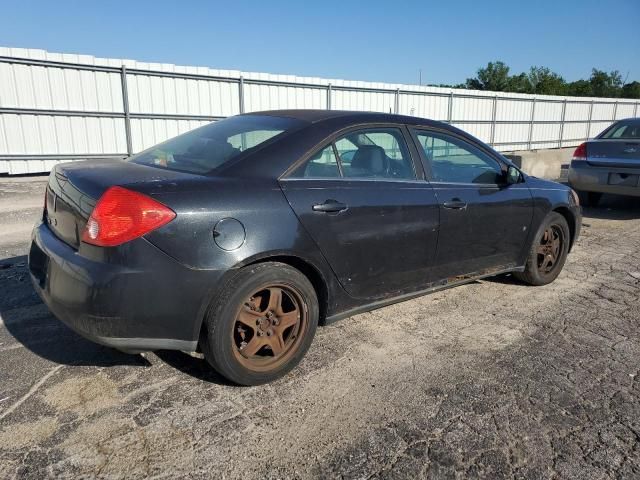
pixel 125 106
pixel 635 110
pixel 241 93
pixel 533 116
pixel 329 97
pixel 493 120
pixel 564 112
pixel 589 123
pixel 615 110
pixel 397 101
pixel 450 108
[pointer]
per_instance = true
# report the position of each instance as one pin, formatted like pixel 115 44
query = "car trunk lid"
pixel 614 153
pixel 74 189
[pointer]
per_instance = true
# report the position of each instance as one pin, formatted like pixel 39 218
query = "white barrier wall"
pixel 60 107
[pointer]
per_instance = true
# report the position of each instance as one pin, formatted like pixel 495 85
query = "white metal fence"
pixel 60 107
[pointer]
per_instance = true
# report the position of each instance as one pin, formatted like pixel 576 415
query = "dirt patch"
pixel 27 434
pixel 83 395
pixel 112 447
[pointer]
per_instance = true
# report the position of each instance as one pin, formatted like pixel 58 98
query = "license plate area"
pixel 624 179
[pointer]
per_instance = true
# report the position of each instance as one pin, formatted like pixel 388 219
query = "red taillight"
pixel 122 215
pixel 581 152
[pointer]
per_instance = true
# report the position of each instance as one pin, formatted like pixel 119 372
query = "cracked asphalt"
pixel 490 380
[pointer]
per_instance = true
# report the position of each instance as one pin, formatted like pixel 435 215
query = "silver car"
pixel 610 163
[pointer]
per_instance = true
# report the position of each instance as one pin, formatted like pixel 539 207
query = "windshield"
pixel 207 148
pixel 624 129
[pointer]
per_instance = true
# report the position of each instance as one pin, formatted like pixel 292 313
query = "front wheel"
pixel 262 324
pixel 548 252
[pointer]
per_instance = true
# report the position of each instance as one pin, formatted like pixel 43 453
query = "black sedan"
pixel 238 238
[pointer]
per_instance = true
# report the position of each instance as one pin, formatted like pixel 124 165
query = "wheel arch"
pixel 571 221
pixel 308 269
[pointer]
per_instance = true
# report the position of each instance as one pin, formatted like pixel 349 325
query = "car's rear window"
pixel 623 129
pixel 206 148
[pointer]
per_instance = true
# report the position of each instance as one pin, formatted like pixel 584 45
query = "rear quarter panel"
pixel 259 205
pixel 271 229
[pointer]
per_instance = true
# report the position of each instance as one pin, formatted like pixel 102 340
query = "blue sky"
pixel 375 40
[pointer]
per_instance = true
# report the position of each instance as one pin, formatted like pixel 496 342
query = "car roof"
pixel 315 116
pixel 316 127
pixel 633 120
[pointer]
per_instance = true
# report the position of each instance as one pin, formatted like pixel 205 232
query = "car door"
pixel 484 221
pixel 367 206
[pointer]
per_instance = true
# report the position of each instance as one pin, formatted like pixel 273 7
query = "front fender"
pixel 551 196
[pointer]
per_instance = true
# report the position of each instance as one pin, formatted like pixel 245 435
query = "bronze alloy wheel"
pixel 269 327
pixel 550 248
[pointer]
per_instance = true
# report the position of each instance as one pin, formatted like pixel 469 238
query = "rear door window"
pixel 376 154
pixel 371 154
pixel 322 164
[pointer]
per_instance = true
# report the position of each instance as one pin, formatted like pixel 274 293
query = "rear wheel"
pixel 548 252
pixel 589 199
pixel 262 324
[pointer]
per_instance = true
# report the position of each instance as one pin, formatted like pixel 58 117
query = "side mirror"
pixel 513 175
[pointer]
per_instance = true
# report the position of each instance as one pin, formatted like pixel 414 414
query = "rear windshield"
pixel 207 148
pixel 624 129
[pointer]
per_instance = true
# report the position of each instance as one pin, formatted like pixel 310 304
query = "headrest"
pixel 370 158
pixel 212 148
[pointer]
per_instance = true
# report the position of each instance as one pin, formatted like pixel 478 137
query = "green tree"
pixel 495 77
pixel 605 84
pixel 545 82
pixel 579 88
pixel 519 84
pixel 631 90
pixel 541 80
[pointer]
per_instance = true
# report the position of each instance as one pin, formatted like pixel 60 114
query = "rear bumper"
pixel 598 179
pixel 159 306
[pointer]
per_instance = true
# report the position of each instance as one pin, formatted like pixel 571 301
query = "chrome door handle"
pixel 329 206
pixel 455 204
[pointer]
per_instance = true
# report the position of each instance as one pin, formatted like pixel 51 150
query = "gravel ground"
pixel 491 380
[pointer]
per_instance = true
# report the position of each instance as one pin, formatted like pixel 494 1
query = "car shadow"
pixel 505 279
pixel 29 322
pixel 27 319
pixel 613 207
pixel 194 367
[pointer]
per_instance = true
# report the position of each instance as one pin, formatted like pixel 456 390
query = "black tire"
pixel 589 199
pixel 593 198
pixel 539 269
pixel 220 342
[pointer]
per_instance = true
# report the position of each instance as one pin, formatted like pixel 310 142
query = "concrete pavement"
pixel 490 380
